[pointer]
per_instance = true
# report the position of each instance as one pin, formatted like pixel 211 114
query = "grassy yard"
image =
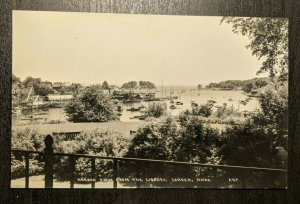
pixel 122 127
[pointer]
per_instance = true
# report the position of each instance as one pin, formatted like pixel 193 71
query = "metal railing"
pixel 49 156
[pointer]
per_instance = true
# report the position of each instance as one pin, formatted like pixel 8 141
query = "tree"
pixel 248 87
pixel 43 89
pixel 199 86
pixel 15 79
pixel 260 83
pixel 105 85
pixel 129 85
pixel 146 85
pixel 274 113
pixel 156 110
pixel 90 106
pixel 212 85
pixel 204 110
pixel 30 81
pixel 262 140
pixel 268 41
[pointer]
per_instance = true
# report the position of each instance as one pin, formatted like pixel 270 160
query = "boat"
pixel 119 108
pixel 41 113
pixel 172 107
pixel 142 106
pixel 171 101
pixel 32 118
pixel 16 110
pixel 142 117
pixel 133 109
pixel 193 104
pixel 243 102
pixel 179 103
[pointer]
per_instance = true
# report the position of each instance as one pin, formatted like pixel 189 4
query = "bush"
pixel 204 110
pixel 165 139
pixel 96 142
pixel 27 139
pixel 225 111
pixel 156 110
pixel 101 143
pixel 90 106
pixel 250 145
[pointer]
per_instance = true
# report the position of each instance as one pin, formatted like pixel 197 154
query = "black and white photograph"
pixel 104 100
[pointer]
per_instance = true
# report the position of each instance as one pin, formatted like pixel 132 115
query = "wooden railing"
pixel 49 157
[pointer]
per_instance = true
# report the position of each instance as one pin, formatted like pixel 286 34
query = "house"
pixel 57 86
pixel 15 89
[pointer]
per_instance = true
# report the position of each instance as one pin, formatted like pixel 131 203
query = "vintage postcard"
pixel 148 101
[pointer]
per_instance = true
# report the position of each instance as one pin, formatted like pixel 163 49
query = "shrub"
pixel 95 142
pixel 92 105
pixel 156 110
pixel 204 110
pixel 27 139
pixel 165 139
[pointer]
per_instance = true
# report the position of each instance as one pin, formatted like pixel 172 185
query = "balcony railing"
pixel 49 157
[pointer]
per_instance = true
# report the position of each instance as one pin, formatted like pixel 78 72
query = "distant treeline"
pixel 246 85
pixel 141 84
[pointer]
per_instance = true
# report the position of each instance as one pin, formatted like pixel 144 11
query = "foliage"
pixel 262 140
pixel 30 81
pixel 43 89
pixel 249 145
pixel 204 110
pixel 260 83
pixel 225 111
pixel 274 105
pixel 274 113
pixel 194 141
pixel 129 85
pixel 91 105
pixel 268 41
pixel 27 139
pixel 248 88
pixel 248 85
pixel 142 85
pixel 95 142
pixel 146 85
pixel 105 85
pixel 156 110
pixel 15 79
pixel 165 139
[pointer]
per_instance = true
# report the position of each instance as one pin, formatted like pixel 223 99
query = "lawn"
pixel 122 127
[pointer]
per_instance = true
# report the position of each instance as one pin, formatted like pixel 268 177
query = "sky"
pixel 90 48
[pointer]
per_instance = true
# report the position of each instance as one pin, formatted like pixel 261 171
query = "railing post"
pixel 215 176
pixel 93 172
pixel 72 173
pixel 138 175
pixel 49 157
pixel 115 172
pixel 244 177
pixel 26 170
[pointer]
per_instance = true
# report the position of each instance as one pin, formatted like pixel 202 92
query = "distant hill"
pixel 246 85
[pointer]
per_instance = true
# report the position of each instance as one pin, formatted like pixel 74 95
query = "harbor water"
pixel 185 95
